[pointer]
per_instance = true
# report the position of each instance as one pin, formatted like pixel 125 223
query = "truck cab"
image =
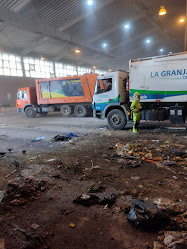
pixel 26 97
pixel 111 98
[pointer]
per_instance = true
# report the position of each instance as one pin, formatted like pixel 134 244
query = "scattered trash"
pixel 171 163
pixel 103 128
pixel 72 225
pixel 16 164
pixel 95 167
pixel 2 243
pixel 61 138
pixel 105 207
pixel 178 153
pixel 51 160
pixel 35 226
pixel 174 177
pixel 20 194
pixel 157 245
pixel 128 164
pixel 135 178
pixel 37 139
pixel 146 216
pixel 11 173
pixel 71 135
pixel 110 200
pixel 2 193
pixel 148 155
pixel 96 188
pixel 87 200
pixel 9 149
pixel 171 240
pixel 2 154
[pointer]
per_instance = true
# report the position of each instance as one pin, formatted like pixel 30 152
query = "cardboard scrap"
pixel 2 243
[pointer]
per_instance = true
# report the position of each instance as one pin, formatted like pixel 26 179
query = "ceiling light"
pixel 77 51
pixel 94 67
pixel 126 26
pixel 161 50
pixel 89 2
pixel 104 45
pixel 148 41
pixel 181 20
pixel 110 70
pixel 42 58
pixel 162 11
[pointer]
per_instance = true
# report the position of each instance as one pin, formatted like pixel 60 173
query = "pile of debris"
pixel 90 199
pixel 161 214
pixel 162 155
pixel 20 194
pixel 175 235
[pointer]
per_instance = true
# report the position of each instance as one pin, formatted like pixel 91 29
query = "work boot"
pixel 135 131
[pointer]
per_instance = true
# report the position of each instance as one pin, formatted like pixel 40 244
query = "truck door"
pixel 22 99
pixel 104 93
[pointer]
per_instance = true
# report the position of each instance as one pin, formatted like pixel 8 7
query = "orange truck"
pixel 67 95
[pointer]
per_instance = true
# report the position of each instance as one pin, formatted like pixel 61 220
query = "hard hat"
pixel 136 94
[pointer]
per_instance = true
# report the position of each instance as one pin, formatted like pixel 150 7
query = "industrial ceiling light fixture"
pixel 90 2
pixel 105 45
pixel 161 50
pixel 94 67
pixel 77 51
pixel 42 58
pixel 127 26
pixel 148 41
pixel 110 70
pixel 181 20
pixel 162 11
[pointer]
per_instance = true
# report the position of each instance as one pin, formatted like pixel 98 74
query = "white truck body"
pixel 161 82
pixel 160 79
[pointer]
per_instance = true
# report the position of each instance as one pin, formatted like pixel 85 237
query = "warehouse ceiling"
pixel 55 28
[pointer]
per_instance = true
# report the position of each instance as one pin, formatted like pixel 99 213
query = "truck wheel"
pixel 116 119
pixel 66 110
pixel 30 112
pixel 43 114
pixel 80 111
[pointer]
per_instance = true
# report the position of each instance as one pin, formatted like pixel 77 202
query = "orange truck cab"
pixel 67 95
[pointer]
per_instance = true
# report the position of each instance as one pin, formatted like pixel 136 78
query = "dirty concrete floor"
pixel 69 169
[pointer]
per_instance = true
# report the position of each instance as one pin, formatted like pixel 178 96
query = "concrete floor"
pixel 84 161
pixel 17 130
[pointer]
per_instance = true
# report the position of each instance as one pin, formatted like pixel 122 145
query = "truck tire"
pixel 43 114
pixel 116 119
pixel 66 110
pixel 80 111
pixel 30 112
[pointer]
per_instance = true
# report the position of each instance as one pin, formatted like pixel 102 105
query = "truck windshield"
pixel 104 85
pixel 22 95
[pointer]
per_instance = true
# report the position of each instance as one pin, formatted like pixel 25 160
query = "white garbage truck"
pixel 161 81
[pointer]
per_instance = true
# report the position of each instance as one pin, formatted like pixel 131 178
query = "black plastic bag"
pixel 147 216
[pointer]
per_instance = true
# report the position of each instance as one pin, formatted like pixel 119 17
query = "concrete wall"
pixel 9 86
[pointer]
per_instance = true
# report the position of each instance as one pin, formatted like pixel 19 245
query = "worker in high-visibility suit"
pixel 136 110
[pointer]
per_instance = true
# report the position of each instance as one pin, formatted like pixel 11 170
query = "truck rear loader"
pixel 162 83
pixel 67 95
